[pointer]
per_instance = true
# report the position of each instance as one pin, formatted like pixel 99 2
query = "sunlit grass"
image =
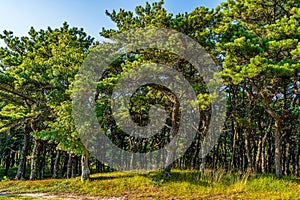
pixel 153 185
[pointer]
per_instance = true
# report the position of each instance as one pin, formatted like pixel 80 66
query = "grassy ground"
pixel 152 185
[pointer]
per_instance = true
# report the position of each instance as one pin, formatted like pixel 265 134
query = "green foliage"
pixel 256 45
pixel 41 69
pixel 197 25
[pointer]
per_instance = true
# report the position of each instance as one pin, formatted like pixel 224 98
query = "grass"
pixel 152 185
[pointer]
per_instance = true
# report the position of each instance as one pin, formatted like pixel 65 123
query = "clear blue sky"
pixel 19 15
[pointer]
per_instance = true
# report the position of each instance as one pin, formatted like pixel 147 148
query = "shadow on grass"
pixel 13 171
pixel 192 177
pixel 111 177
pixel 292 179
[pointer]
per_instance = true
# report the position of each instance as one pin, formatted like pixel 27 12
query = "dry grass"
pixel 152 185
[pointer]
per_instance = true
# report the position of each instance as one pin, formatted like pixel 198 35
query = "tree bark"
pixel 69 166
pixel 278 148
pixel 7 161
pixel 287 159
pixel 85 171
pixel 22 162
pixel 42 160
pixel 234 131
pixel 278 126
pixel 174 131
pixel 258 155
pixel 297 155
pixel 75 167
pixel 56 164
pixel 203 164
pixel 13 159
pixel 34 160
pixel 65 164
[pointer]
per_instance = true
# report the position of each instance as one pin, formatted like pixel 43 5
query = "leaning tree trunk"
pixel 22 162
pixel 261 153
pixel 85 171
pixel 278 125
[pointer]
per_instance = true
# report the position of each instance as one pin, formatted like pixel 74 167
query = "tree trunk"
pixel 99 166
pixel 203 164
pixel 52 154
pixel 258 155
pixel 174 131
pixel 233 129
pixel 56 164
pixel 278 126
pixel 297 155
pixel 263 164
pixel 196 154
pixel 65 164
pixel 22 161
pixel 7 161
pixel 269 157
pixel 278 148
pixel 287 159
pixel 34 160
pixel 69 166
pixel 13 159
pixel 85 171
pixel 42 160
pixel 75 167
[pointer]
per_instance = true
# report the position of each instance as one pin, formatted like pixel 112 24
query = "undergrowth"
pixel 154 185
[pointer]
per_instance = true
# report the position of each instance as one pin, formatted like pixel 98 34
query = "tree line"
pixel 255 44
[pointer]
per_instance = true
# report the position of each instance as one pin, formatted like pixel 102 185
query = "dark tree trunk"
pixel 203 164
pixel 56 164
pixel 247 146
pixel 297 156
pixel 42 160
pixel 65 164
pixel 52 154
pixel 7 161
pixel 278 148
pixel 233 129
pixel 100 166
pixel 75 167
pixel 22 161
pixel 287 159
pixel 174 131
pixel 263 165
pixel 69 166
pixel 13 159
pixel 269 156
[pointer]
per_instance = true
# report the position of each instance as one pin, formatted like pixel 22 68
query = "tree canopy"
pixel 254 43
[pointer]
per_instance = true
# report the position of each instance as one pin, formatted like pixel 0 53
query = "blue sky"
pixel 19 15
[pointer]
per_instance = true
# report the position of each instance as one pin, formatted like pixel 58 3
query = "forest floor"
pixel 152 185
